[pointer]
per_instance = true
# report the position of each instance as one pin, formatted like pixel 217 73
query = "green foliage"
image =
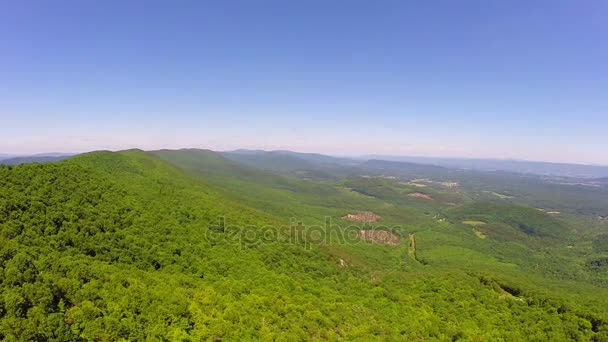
pixel 124 246
pixel 600 244
pixel 528 220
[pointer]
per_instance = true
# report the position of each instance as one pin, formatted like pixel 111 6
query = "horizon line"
pixel 367 156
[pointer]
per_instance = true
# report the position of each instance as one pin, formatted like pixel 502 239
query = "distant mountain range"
pixel 287 159
pixel 519 166
pixel 297 162
pixel 37 158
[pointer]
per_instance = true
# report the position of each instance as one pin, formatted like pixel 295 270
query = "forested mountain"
pixel 520 166
pixel 302 165
pixel 195 245
pixel 30 159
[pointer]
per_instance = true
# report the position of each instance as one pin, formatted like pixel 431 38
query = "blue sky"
pixel 501 79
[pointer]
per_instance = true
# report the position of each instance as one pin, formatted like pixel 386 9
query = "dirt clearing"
pixel 479 234
pixel 380 236
pixel 499 195
pixel 474 223
pixel 362 216
pixel 419 195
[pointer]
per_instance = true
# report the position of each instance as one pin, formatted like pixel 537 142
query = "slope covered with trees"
pixel 125 246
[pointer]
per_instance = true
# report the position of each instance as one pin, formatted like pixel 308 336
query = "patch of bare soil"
pixel 380 236
pixel 480 234
pixel 362 216
pixel 419 195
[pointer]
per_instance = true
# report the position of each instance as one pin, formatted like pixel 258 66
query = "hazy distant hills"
pixel 288 161
pixel 519 166
pixel 302 165
pixel 601 181
pixel 38 158
pixel 319 166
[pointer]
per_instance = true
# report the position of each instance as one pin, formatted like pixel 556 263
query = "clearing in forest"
pixel 499 195
pixel 380 236
pixel 550 212
pixel 362 216
pixel 474 223
pixel 479 234
pixel 419 195
pixel 416 182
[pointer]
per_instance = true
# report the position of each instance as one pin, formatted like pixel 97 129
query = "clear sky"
pixel 504 79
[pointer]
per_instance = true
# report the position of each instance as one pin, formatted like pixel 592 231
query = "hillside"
pixel 31 159
pixel 111 246
pixel 302 165
pixel 519 166
pixel 529 221
pixel 289 198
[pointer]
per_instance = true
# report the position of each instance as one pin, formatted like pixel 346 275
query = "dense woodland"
pixel 131 246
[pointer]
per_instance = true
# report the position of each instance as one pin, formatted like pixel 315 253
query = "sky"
pixel 484 79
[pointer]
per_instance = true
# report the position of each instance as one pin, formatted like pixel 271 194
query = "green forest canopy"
pixel 125 246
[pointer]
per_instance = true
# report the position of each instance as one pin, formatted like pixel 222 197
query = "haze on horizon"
pixel 517 80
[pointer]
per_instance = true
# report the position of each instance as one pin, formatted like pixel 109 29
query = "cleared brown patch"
pixel 362 216
pixel 380 236
pixel 419 195
pixel 480 234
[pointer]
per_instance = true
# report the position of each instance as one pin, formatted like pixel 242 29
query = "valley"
pixel 197 245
